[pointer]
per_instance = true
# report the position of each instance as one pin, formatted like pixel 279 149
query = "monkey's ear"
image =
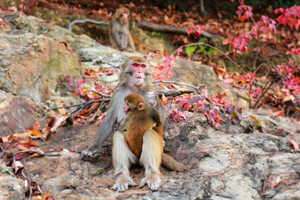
pixel 141 106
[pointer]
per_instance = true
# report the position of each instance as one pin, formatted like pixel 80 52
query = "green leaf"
pixel 190 49
pixel 203 39
pixel 244 124
pixel 211 51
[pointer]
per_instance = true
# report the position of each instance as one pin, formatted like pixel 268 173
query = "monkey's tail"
pixel 159 129
pixel 171 164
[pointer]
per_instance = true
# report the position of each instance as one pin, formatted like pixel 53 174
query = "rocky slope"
pixel 229 163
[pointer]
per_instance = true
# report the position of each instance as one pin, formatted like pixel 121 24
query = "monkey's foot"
pixel 122 183
pixel 90 153
pixel 153 181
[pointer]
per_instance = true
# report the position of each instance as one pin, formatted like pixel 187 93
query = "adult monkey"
pixel 136 77
pixel 118 30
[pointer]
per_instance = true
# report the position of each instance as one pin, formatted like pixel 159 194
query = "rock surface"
pixel 228 164
pixel 17 113
pixel 11 188
pixel 197 74
pixel 32 65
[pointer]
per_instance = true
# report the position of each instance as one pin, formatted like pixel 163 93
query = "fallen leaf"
pixel 59 121
pixel 35 132
pixel 17 166
pixel 26 145
pixel 294 144
pixel 276 183
pixel 164 100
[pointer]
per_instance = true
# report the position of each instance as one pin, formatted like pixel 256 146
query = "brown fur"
pixel 119 26
pixel 139 121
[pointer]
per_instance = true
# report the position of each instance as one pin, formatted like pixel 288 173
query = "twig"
pixel 84 21
pixel 77 105
pixel 1 151
pixel 184 84
pixel 208 45
pixel 75 112
pixel 171 29
pixel 173 93
pixel 40 152
pixel 103 95
pixel 263 93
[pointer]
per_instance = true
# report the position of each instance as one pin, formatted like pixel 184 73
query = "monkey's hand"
pixel 153 181
pixel 90 153
pixel 122 183
pixel 151 99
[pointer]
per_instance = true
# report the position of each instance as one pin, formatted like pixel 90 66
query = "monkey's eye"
pixel 143 66
pixel 135 64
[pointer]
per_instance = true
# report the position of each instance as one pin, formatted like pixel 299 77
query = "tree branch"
pixel 173 93
pixel 184 84
pixel 82 105
pixel 171 29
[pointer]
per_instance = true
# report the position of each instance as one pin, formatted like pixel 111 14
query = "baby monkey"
pixel 144 144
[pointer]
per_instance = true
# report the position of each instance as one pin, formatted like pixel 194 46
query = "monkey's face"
pixel 126 107
pixel 125 15
pixel 133 106
pixel 139 70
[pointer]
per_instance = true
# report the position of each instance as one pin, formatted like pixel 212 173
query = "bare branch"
pixel 85 21
pixel 183 84
pixel 174 93
pixel 103 95
pixel 171 29
pixel 208 45
pixel 80 105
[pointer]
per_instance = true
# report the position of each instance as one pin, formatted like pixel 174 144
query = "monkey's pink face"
pixel 126 106
pixel 125 15
pixel 139 70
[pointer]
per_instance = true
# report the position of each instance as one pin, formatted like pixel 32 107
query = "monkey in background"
pixel 118 30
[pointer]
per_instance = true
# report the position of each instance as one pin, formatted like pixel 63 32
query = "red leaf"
pixel 190 31
pixel 172 87
pixel 182 102
pixel 18 157
pixel 294 143
pixel 276 183
pixel 37 125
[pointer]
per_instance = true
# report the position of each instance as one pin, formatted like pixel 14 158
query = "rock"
pixel 17 113
pixel 218 165
pixel 11 187
pixel 32 65
pixel 196 74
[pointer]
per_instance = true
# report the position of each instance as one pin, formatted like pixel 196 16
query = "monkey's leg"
pixel 122 159
pixel 124 41
pixel 151 159
pixel 117 38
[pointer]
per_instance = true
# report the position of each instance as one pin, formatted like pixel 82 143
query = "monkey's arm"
pixel 113 114
pixel 116 34
pixel 129 39
pixel 111 39
pixel 158 110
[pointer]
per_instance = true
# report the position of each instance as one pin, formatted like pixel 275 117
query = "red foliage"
pixel 289 16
